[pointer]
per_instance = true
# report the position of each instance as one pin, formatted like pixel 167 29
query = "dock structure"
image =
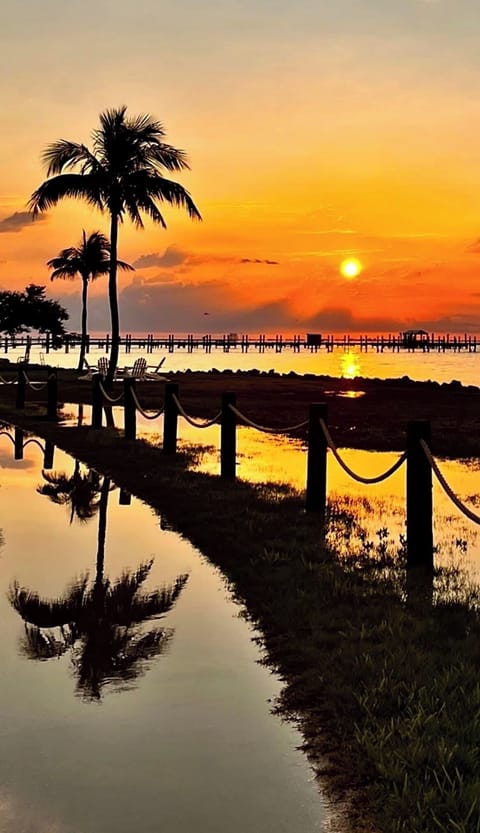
pixel 262 343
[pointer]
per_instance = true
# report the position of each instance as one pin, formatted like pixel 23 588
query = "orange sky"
pixel 314 136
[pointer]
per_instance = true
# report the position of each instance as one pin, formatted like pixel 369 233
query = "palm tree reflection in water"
pixel 100 623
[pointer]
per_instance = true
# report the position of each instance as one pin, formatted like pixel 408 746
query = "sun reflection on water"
pixel 349 365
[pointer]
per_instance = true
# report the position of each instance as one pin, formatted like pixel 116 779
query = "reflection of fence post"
pixel 228 437
pixel 52 391
pixel 170 419
pixel 21 387
pixel 129 409
pixel 316 496
pixel 18 447
pixel 419 497
pixel 48 455
pixel 97 401
pixel 124 498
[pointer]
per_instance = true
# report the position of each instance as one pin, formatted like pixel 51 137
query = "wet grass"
pixel 381 674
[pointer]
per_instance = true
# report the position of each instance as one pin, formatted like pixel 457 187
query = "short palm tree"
pixel 100 623
pixel 80 491
pixel 122 175
pixel 90 259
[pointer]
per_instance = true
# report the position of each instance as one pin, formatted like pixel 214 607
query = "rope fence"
pixel 465 510
pixel 195 422
pixel 251 424
pixel 141 410
pixel 420 463
pixel 106 395
pixel 367 481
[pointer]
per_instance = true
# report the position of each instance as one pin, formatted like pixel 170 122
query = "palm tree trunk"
pixel 113 300
pixel 102 529
pixel 83 344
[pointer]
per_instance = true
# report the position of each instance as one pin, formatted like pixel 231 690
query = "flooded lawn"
pixel 265 457
pixel 114 717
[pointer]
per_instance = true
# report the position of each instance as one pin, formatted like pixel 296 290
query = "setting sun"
pixel 350 268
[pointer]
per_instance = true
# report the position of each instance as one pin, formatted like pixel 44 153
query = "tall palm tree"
pixel 99 622
pixel 123 176
pixel 90 259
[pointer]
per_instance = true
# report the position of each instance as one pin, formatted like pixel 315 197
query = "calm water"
pixel 440 367
pixel 109 726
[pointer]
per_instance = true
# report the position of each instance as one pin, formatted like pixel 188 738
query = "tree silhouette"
pixel 90 259
pixel 100 623
pixel 80 491
pixel 123 176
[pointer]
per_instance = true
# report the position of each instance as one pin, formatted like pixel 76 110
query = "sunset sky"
pixel 316 131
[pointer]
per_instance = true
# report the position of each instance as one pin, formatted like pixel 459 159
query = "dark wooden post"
pixel 228 437
pixel 419 498
pixel 97 401
pixel 21 387
pixel 170 420
pixel 124 498
pixel 52 394
pixel 316 496
pixel 129 409
pixel 48 454
pixel 19 437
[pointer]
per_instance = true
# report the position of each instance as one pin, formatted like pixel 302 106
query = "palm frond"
pixel 173 159
pixel 63 155
pixel 76 186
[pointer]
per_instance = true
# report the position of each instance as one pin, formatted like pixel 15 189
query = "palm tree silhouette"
pixel 122 175
pixel 90 259
pixel 99 622
pixel 80 491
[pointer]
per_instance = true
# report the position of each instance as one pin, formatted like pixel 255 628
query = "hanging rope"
pixel 472 516
pixel 5 382
pixel 34 385
pixel 196 423
pixel 368 481
pixel 6 434
pixel 140 409
pixel 265 430
pixel 107 396
pixel 35 442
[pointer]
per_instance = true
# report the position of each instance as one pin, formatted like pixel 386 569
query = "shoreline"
pixel 364 413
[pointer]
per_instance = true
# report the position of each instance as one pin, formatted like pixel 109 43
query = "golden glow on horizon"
pixel 350 268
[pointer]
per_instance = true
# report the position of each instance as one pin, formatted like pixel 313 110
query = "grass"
pixel 380 673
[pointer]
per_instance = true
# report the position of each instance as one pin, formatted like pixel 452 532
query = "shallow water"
pixel 186 741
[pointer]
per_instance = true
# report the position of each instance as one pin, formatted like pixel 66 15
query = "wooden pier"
pixel 262 343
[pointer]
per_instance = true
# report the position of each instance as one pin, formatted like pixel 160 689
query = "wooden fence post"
pixel 170 420
pixel 21 387
pixel 419 498
pixel 316 496
pixel 97 401
pixel 52 394
pixel 19 437
pixel 228 437
pixel 129 409
pixel 48 455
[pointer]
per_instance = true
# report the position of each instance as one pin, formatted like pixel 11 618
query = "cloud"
pixel 474 247
pixel 172 256
pixel 258 260
pixel 19 220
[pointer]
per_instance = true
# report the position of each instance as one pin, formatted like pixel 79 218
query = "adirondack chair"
pixel 139 369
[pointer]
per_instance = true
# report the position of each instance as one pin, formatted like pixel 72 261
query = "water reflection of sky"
pixel 190 742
